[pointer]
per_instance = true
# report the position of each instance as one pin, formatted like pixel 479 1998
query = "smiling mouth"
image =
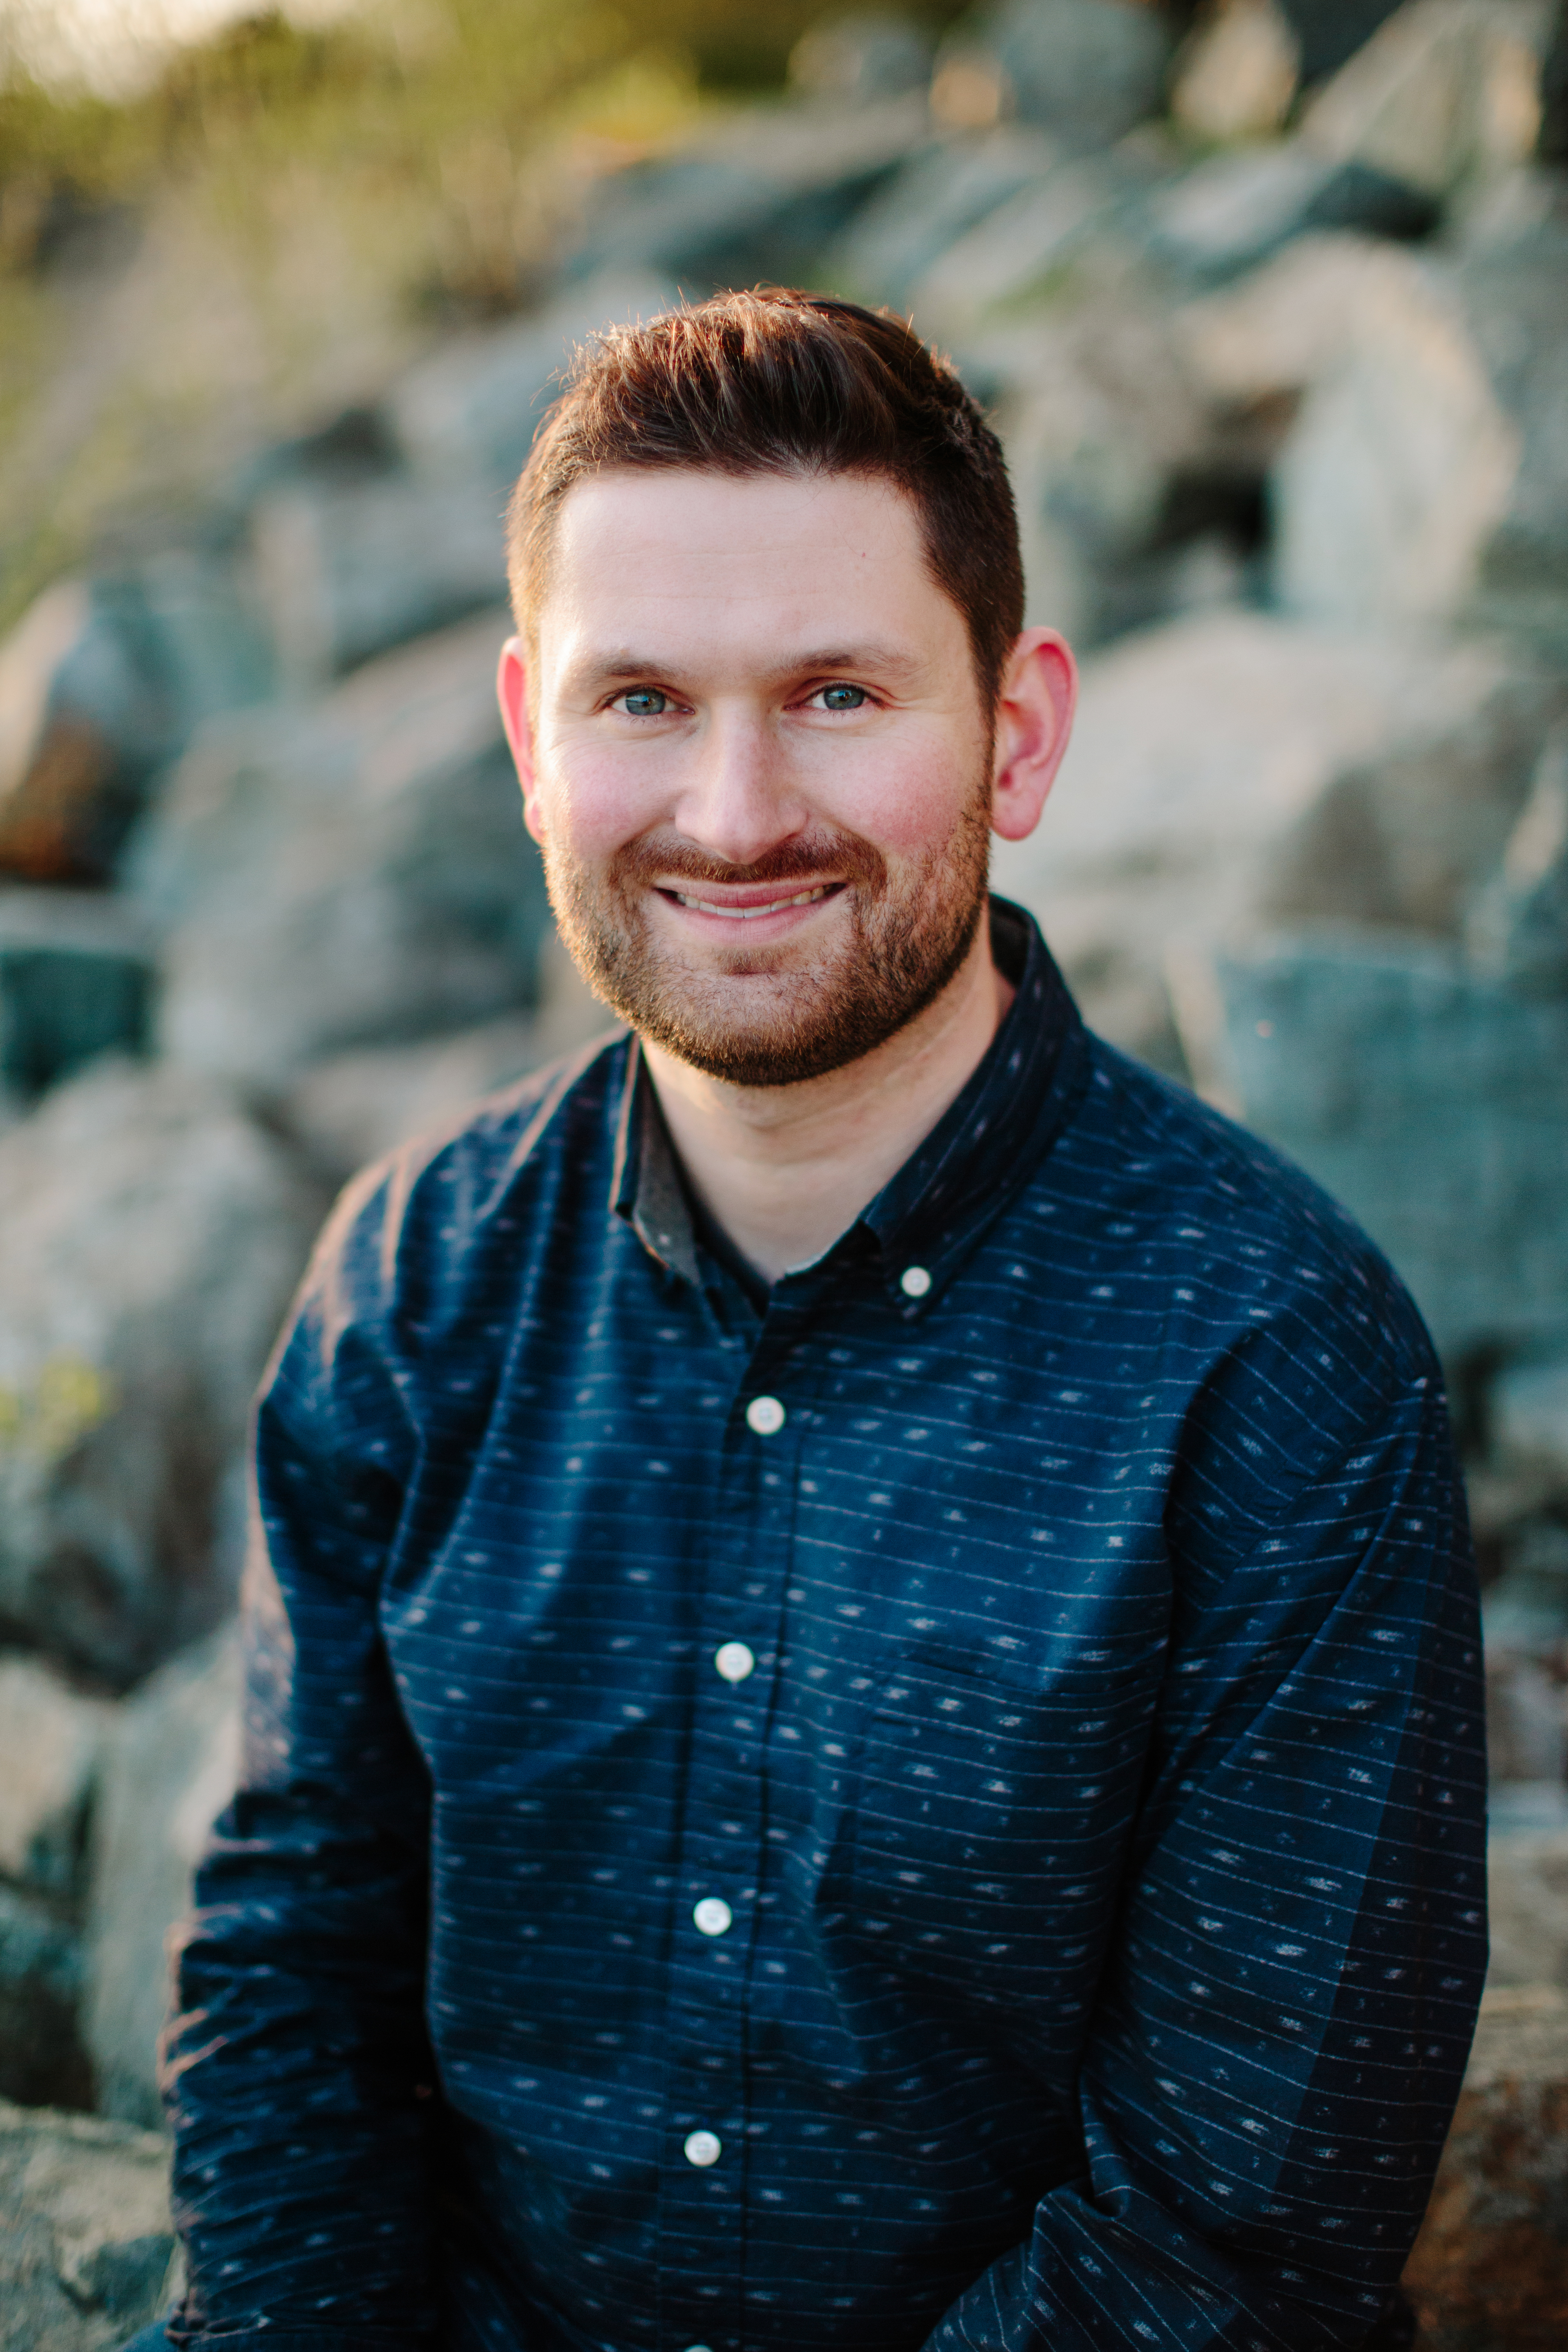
pixel 749 914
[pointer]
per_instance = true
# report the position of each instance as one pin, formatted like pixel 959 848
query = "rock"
pixel 351 1108
pixel 50 1738
pixel 150 1235
pixel 1527 1707
pixel 1518 930
pixel 1112 456
pixel 100 684
pixel 1236 77
pixel 76 980
pixel 1368 1058
pixel 1444 91
pixel 1234 209
pixel 1066 221
pixel 350 572
pixel 41 2057
pixel 470 408
pixel 932 201
pixel 353 874
pixel 86 2246
pixel 1086 68
pixel 851 61
pixel 1401 464
pixel 1528 1408
pixel 1527 1898
pixel 1490 2264
pixel 1330 31
pixel 1203 753
pixel 171 1768
pixel 755 199
pixel 1513 284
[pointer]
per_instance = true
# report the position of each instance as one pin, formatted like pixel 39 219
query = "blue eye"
pixel 644 702
pixel 843 698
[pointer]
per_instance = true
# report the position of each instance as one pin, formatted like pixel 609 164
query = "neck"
pixel 786 1170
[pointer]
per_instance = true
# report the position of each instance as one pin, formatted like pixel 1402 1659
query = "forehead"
pixel 699 553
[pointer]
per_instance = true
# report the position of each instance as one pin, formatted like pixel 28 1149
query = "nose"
pixel 737 801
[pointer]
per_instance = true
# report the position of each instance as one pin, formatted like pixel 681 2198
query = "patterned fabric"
pixel 947 1809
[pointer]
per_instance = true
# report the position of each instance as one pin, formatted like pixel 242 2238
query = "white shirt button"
pixel 713 1916
pixel 765 1416
pixel 914 1282
pixel 703 2147
pixel 734 1661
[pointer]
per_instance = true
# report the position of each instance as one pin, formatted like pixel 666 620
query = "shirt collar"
pixel 929 1216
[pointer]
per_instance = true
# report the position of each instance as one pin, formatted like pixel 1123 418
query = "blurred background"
pixel 1269 299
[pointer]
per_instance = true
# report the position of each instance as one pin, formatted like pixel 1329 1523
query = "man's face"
pixel 760 768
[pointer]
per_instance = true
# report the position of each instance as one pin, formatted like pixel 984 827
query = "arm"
pixel 293 2069
pixel 1284 2027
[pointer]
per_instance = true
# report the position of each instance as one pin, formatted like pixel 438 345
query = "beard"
pixel 774 1015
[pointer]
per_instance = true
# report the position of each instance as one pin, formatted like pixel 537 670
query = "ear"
pixel 1034 720
pixel 512 692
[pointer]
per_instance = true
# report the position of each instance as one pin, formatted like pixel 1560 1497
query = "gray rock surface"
pixel 1527 1899
pixel 1444 91
pixel 86 2246
pixel 352 874
pixel 349 572
pixel 850 59
pixel 76 980
pixel 1530 1418
pixel 1517 929
pixel 150 1235
pixel 41 1976
pixel 100 683
pixel 939 195
pixel 1089 69
pixel 1236 207
pixel 1513 284
pixel 1237 75
pixel 50 1740
pixel 1203 753
pixel 170 1770
pixel 1368 1060
pixel 470 406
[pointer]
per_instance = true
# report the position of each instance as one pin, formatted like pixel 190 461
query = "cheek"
pixel 593 803
pixel 907 800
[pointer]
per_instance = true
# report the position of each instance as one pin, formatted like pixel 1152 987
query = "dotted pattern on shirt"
pixel 1099 1824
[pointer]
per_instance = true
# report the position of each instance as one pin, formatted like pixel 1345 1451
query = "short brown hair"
pixel 779 383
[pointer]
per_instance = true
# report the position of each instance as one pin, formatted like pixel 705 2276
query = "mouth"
pixel 751 911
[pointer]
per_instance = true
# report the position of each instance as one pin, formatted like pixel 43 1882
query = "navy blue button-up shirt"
pixel 943 1804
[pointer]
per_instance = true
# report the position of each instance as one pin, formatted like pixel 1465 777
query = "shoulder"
pixel 1254 1326
pixel 415 1224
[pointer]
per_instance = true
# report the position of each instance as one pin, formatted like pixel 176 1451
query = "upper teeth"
pixel 746 914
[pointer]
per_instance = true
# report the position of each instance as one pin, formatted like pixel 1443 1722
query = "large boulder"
pixel 50 1740
pixel 88 2252
pixel 1086 68
pixel 102 683
pixel 1401 464
pixel 41 2057
pixel 1426 475
pixel 755 198
pixel 1237 75
pixel 1237 767
pixel 1236 206
pixel 170 1769
pixel 470 406
pixel 1444 92
pixel 1490 2265
pixel 1433 1104
pixel 150 1235
pixel 76 980
pixel 350 875
pixel 933 201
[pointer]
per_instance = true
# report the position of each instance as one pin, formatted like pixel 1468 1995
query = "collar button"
pixel 914 1282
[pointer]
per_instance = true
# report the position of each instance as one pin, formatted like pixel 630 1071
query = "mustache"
pixel 656 858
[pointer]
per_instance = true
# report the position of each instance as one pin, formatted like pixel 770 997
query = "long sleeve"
pixel 297 2070
pixel 1279 2048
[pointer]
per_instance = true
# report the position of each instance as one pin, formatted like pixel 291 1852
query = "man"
pixel 863 1722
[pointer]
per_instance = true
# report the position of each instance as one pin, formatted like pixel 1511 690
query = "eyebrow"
pixel 620 662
